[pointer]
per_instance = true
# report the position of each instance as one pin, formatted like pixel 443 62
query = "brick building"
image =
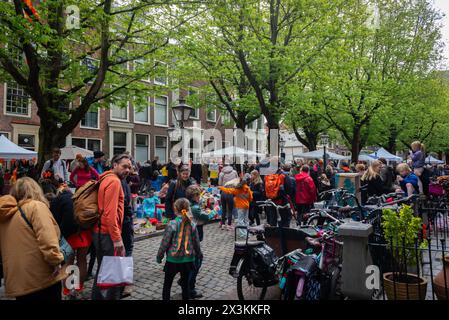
pixel 113 130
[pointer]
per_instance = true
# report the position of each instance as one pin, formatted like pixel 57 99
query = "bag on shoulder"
pixel 85 204
pixel 273 183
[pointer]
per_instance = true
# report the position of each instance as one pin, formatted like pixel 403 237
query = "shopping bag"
pixel 115 272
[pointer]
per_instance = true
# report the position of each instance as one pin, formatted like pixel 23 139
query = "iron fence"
pixel 408 272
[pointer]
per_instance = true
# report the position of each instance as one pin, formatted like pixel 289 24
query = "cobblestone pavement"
pixel 213 281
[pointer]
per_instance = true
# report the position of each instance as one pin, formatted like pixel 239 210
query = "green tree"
pixel 367 69
pixel 58 68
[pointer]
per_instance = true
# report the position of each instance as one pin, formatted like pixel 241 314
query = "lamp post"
pixel 182 113
pixel 282 145
pixel 324 141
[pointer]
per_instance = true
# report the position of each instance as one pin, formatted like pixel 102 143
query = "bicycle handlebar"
pixel 269 203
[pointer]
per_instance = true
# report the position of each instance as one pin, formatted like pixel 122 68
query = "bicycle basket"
pixel 333 251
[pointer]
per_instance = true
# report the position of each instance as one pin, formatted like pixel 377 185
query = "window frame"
pixel 85 140
pixel 215 116
pixel 166 74
pixel 167 112
pixel 195 109
pixel 147 80
pixel 98 120
pixel 149 144
pixel 167 139
pixel 116 119
pixel 149 113
pixel 5 112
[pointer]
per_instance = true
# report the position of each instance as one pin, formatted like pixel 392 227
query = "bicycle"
pixel 244 265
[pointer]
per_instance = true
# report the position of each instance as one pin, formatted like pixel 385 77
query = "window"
pixel 161 73
pixel 195 113
pixel 119 113
pixel 139 66
pixel 91 120
pixel 211 115
pixel 142 116
pixel 142 147
pixel 91 64
pixel 6 134
pixel 119 142
pixel 27 141
pixel 161 149
pixel 161 111
pixel 89 144
pixel 17 101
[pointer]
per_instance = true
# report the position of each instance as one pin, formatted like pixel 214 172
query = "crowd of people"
pixel 39 211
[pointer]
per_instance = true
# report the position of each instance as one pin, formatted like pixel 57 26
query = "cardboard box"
pixel 350 182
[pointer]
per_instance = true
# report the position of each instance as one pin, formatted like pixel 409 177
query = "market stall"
pixel 9 150
pixel 382 153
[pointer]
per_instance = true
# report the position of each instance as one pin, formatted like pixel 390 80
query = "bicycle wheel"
pixel 245 285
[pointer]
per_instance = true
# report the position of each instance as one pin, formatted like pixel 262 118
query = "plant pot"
pixel 439 285
pixel 417 287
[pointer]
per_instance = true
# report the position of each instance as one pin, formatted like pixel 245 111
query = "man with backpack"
pixel 57 165
pixel 107 235
pixel 278 188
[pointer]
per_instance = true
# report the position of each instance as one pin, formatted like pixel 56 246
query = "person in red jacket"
pixel 306 193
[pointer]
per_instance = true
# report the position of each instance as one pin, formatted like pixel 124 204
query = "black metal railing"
pixel 407 272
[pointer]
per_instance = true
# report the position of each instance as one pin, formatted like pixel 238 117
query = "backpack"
pixel 273 184
pixel 85 204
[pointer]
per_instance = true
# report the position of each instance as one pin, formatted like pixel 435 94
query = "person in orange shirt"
pixel 107 237
pixel 242 198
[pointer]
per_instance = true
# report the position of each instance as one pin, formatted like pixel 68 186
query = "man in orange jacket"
pixel 107 237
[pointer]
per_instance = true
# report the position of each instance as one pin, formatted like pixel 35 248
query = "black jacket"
pixel 127 212
pixel 373 187
pixel 258 192
pixel 172 171
pixel 197 172
pixel 174 193
pixel 62 209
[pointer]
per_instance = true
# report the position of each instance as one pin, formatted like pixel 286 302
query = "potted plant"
pixel 401 230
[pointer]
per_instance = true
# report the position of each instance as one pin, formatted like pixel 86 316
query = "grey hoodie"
pixel 227 174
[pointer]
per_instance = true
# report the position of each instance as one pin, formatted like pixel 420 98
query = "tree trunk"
pixel 49 138
pixel 391 143
pixel 356 144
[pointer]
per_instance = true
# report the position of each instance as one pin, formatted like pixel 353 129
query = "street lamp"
pixel 182 113
pixel 324 141
pixel 282 145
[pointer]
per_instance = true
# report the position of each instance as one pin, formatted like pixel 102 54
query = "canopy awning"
pixel 70 152
pixel 231 152
pixel 318 154
pixel 433 160
pixel 9 150
pixel 382 153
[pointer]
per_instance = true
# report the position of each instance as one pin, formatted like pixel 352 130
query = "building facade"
pixel 142 130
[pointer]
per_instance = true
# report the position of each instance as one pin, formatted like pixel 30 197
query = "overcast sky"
pixel 443 6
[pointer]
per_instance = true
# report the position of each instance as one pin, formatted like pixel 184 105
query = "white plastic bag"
pixel 115 272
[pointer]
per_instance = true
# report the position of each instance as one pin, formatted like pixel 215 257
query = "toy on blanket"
pixel 210 201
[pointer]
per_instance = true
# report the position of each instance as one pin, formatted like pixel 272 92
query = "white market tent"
pixel 433 160
pixel 382 153
pixel 70 152
pixel 318 154
pixel 9 150
pixel 232 152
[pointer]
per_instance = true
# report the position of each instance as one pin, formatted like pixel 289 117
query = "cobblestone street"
pixel 213 281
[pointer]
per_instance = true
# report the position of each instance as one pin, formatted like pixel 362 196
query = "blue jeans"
pixel 242 220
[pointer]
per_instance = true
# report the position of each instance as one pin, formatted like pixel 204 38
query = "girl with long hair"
pixel 181 245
